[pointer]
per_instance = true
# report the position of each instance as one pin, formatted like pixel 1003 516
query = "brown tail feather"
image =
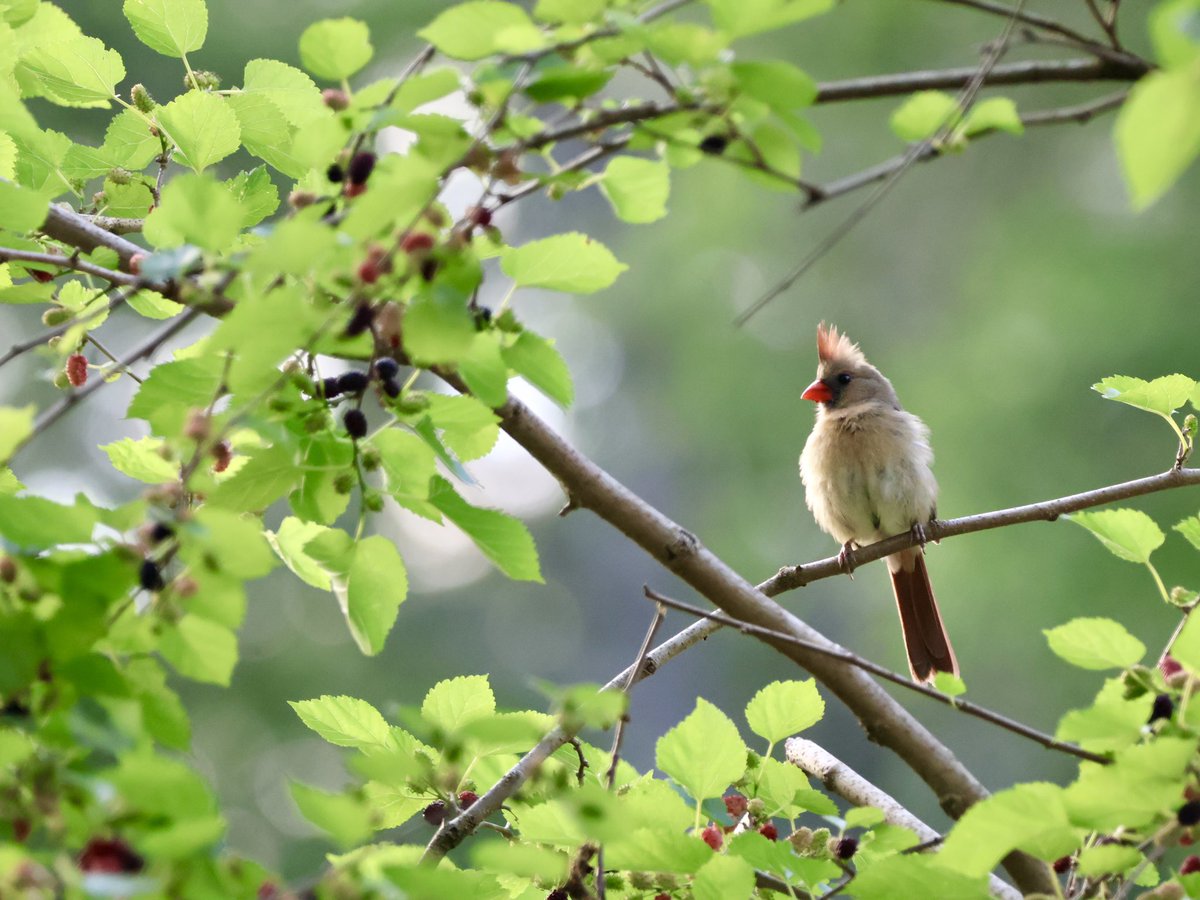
pixel 925 637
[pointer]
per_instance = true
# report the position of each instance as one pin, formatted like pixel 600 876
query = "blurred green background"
pixel 993 288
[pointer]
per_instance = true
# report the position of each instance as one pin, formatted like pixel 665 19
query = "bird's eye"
pixel 844 378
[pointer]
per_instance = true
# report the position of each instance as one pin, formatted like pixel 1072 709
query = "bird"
pixel 866 469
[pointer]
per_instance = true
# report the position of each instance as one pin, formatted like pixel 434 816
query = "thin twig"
pixel 966 99
pixel 40 339
pixel 886 674
pixel 59 261
pixel 1051 26
pixel 91 339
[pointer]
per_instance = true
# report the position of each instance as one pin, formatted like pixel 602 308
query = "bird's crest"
pixel 833 345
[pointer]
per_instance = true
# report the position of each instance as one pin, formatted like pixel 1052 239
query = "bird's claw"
pixel 919 534
pixel 844 557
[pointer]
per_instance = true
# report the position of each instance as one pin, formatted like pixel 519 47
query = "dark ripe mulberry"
pixel 110 855
pixel 1189 814
pixel 160 531
pixel 356 423
pixel 1164 708
pixel 360 168
pixel 846 847
pixel 335 174
pixel 387 368
pixel 480 215
pixel 150 576
pixel 1063 864
pixel 360 321
pixel 714 144
pixel 434 812
pixel 330 388
pixel 429 268
pixel 352 383
pixel 390 387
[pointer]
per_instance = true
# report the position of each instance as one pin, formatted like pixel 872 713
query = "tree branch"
pixel 885 720
pixel 904 681
pixel 792 577
pixel 816 761
pixel 1033 72
pixel 59 261
pixel 118 225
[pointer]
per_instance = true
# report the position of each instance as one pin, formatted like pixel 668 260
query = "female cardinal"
pixel 866 476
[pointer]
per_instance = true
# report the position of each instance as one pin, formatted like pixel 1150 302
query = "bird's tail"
pixel 925 637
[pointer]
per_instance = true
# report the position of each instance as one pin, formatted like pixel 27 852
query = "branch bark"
pixel 848 784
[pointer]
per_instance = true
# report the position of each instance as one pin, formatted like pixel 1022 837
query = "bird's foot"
pixel 922 532
pixel 844 557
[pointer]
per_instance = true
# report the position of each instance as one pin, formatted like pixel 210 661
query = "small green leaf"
pixel 174 388
pixel 704 753
pixel 452 703
pixel 200 649
pixel 949 684
pixel 503 539
pixel 864 817
pixel 375 586
pixel 335 49
pixel 141 459
pixel 1129 534
pixel 345 721
pixel 778 84
pixel 1111 723
pixel 203 126
pixel 287 87
pixel 1095 643
pixel 569 12
pixel 468 427
pixel 438 329
pixel 21 209
pixel 484 370
pixel 16 424
pixel 784 708
pixel 573 263
pixel 923 114
pixel 346 818
pixel 1157 131
pixel 172 27
pixel 536 360
pixel 195 209
pixel 482 27
pixel 724 878
pixel 288 542
pixel 1190 529
pixel 739 18
pixel 1172 26
pixel 269 474
pixel 221 540
pixel 994 114
pixel 637 188
pixel 1162 395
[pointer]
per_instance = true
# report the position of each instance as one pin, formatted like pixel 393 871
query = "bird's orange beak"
pixel 817 392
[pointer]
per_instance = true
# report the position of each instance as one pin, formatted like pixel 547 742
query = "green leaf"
pixel 484 370
pixel 425 88
pixel 195 209
pixel 1110 723
pixel 266 133
pixel 21 209
pixel 269 474
pixel 1107 858
pixel 923 114
pixel 1028 815
pixel 704 753
pixel 1157 131
pixel 407 461
pixel 637 188
pixel 1162 395
pixel 1189 528
pixel 504 540
pixel 172 27
pixel 572 263
pixel 452 703
pixel 916 877
pixel 778 84
pixel 656 850
pixel 739 18
pixel 346 818
pixel 1133 791
pixel 141 459
pixel 79 71
pixel 949 684
pixel 1129 534
pixel 335 49
pixel 223 541
pixel 567 83
pixel 438 329
pixel 536 360
pixel 784 708
pixel 1172 27
pixel 16 424
pixel 482 27
pixel 37 522
pixel 172 389
pixel 524 860
pixel 128 141
pixel 374 588
pixel 289 541
pixel 994 114
pixel 785 790
pixel 1095 643
pixel 724 878
pixel 468 427
pixel 345 721
pixel 287 87
pixel 203 127
pixel 569 12
pixel 200 649
pixel 1186 647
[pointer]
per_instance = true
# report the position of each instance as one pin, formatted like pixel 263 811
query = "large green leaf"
pixel 724 878
pixel 335 49
pixel 1095 643
pixel 571 262
pixel 784 708
pixel 375 586
pixel 37 522
pixel 704 753
pixel 455 702
pixel 21 209
pixel 536 360
pixel 203 126
pixel 482 27
pixel 739 18
pixel 172 27
pixel 79 71
pixel 345 721
pixel 1129 534
pixel 637 188
pixel 195 209
pixel 1157 132
pixel 200 649
pixel 1162 395
pixel 504 540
